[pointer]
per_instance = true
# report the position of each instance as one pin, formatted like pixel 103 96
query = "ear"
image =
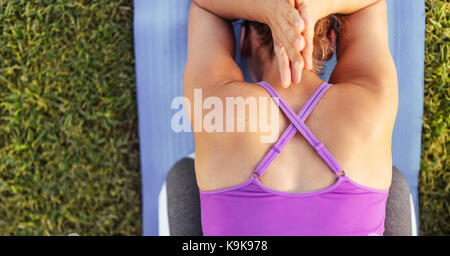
pixel 331 46
pixel 332 37
pixel 241 40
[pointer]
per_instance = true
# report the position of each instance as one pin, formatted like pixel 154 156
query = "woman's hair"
pixel 323 49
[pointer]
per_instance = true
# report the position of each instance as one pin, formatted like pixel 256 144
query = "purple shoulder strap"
pixel 297 124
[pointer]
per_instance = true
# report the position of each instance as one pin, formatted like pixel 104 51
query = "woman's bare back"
pixel 347 120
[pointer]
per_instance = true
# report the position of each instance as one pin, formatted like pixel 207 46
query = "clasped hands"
pixel 292 25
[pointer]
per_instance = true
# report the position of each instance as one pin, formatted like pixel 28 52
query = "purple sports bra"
pixel 345 208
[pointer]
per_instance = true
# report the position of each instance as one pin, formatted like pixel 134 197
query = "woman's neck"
pixel 266 69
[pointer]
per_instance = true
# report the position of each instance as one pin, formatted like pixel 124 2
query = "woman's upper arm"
pixel 210 60
pixel 363 52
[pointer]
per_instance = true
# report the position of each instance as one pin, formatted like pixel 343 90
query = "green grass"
pixel 69 159
pixel 434 182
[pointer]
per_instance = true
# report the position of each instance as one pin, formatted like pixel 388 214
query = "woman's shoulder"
pixel 369 110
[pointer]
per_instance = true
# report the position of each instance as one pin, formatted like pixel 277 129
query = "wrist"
pixel 262 11
pixel 331 8
pixel 318 9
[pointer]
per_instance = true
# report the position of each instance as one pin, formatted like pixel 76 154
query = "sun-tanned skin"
pixel 354 119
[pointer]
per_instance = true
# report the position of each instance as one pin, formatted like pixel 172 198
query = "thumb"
pixel 309 44
pixel 283 64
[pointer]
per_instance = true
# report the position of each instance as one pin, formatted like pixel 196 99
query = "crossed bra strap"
pixel 297 124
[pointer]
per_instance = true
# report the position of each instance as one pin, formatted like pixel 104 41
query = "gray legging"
pixel 183 202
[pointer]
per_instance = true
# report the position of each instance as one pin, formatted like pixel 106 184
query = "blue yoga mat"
pixel 160 36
